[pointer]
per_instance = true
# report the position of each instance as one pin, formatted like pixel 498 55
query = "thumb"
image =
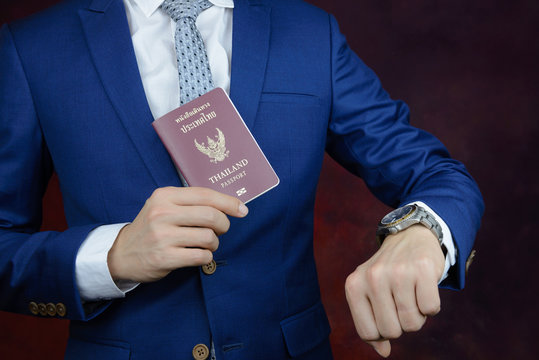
pixel 382 347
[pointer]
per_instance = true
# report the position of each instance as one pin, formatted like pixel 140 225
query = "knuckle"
pixel 413 324
pixel 400 271
pixel 374 274
pixel 393 332
pixel 157 212
pixel 208 239
pixel 432 309
pixel 425 265
pixel 151 201
pixel 208 215
pixel 201 257
pixel 226 224
pixel 154 213
pixel 207 235
pixel 159 192
pixel 352 285
pixel 368 335
pixel 163 193
pixel 401 275
pixel 155 193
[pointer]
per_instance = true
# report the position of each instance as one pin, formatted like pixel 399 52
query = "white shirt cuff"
pixel 447 240
pixel 91 268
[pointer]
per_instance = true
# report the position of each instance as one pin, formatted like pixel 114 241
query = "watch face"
pixel 397 214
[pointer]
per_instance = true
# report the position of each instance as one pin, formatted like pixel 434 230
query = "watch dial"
pixel 397 214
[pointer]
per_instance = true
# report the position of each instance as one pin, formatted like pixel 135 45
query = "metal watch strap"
pixel 418 216
pixel 430 222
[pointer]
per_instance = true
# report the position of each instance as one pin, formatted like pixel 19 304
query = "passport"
pixel 212 147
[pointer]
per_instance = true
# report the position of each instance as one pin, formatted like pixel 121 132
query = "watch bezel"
pixel 407 215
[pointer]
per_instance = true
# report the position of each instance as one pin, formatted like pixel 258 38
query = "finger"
pixel 199 196
pixel 363 317
pixel 410 318
pixel 382 347
pixel 186 257
pixel 200 216
pixel 194 237
pixel 428 296
pixel 385 312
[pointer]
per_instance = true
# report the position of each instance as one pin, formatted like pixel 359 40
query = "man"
pixel 81 83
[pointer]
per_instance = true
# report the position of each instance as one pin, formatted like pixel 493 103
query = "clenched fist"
pixel 177 227
pixel 397 288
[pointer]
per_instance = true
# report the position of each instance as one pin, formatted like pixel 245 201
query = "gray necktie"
pixel 193 65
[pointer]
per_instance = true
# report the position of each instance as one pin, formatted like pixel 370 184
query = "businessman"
pixel 148 269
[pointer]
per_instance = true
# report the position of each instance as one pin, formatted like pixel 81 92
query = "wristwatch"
pixel 404 217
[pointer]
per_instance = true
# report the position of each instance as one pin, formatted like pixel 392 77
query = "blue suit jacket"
pixel 71 100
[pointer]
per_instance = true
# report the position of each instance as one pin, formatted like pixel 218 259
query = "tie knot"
pixel 178 9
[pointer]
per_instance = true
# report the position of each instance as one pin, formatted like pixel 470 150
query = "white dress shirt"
pixel 152 32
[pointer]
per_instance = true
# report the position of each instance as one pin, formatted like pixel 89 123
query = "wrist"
pixel 114 260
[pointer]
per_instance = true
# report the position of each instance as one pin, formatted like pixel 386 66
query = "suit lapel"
pixel 107 33
pixel 250 47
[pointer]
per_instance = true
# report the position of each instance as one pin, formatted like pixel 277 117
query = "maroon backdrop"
pixel 468 70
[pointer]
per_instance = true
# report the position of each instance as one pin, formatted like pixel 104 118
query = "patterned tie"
pixel 193 65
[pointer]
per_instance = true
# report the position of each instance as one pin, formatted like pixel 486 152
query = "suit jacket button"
pixel 51 309
pixel 34 309
pixel 210 268
pixel 61 309
pixel 42 309
pixel 201 352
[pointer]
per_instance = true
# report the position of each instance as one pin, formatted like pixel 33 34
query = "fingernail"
pixel 243 209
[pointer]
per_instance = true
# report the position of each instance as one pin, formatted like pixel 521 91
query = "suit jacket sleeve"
pixel 370 135
pixel 34 266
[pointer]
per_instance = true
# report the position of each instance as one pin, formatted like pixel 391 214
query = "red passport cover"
pixel 212 147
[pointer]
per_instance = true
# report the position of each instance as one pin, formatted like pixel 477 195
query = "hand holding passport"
pixel 177 227
pixel 220 164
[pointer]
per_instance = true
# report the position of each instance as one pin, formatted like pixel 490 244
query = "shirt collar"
pixel 148 7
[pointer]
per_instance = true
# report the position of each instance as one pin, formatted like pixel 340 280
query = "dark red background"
pixel 468 70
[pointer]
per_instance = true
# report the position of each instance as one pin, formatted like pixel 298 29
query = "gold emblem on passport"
pixel 216 149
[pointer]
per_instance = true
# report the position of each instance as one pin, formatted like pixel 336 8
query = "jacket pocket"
pixel 89 350
pixel 290 98
pixel 305 330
